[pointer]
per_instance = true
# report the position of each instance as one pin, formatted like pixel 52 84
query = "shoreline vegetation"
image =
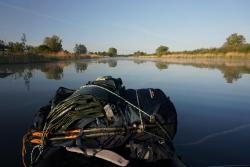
pixel 234 47
pixel 218 55
pixel 51 49
pixel 25 58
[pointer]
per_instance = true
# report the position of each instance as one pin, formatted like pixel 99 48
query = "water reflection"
pixel 161 65
pixel 5 74
pixel 111 62
pixel 27 76
pixel 81 66
pixel 232 69
pixel 25 71
pixel 139 61
pixel 53 71
pixel 212 114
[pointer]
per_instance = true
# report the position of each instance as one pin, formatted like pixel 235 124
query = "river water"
pixel 212 98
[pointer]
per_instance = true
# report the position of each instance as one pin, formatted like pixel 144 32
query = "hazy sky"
pixel 128 25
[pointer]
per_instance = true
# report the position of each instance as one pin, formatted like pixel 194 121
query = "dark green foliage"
pixel 234 40
pixel 16 47
pixel 80 49
pixel 54 43
pixel 244 48
pixel 139 53
pixel 43 48
pixel 101 53
pixel 161 50
pixel 30 48
pixel 112 52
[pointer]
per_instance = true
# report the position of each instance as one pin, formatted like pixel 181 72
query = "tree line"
pixel 111 52
pixel 234 43
pixel 50 44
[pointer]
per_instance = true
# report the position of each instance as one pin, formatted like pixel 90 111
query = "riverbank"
pixel 227 55
pixel 25 58
pixel 232 69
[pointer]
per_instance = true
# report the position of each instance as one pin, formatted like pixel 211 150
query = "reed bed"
pixel 228 55
pixel 15 58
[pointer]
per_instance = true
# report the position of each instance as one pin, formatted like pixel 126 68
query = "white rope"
pixel 47 125
pixel 140 110
pixel 138 103
pixel 97 86
pixel 32 152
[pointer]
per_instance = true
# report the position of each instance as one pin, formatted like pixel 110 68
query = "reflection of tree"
pixel 111 62
pixel 5 74
pixel 24 71
pixel 138 61
pixel 230 73
pixel 53 71
pixel 16 72
pixel 234 73
pixel 103 61
pixel 27 76
pixel 81 66
pixel 231 77
pixel 232 69
pixel 161 65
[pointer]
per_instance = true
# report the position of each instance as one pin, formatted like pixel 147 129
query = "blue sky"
pixel 128 25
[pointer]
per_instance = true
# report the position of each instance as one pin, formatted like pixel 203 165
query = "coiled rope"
pixel 57 113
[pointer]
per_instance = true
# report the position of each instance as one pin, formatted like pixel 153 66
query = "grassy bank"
pixel 19 58
pixel 227 55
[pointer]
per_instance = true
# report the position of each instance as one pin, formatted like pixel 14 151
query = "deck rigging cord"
pixel 57 117
pixel 150 117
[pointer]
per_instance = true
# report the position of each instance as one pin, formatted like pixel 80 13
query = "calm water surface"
pixel 212 99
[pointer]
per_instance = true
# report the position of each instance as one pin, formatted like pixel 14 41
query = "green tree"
pixel 112 52
pixel 244 48
pixel 54 43
pixel 16 47
pixel 30 48
pixel 43 48
pixel 80 49
pixel 139 53
pixel 161 50
pixel 235 40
